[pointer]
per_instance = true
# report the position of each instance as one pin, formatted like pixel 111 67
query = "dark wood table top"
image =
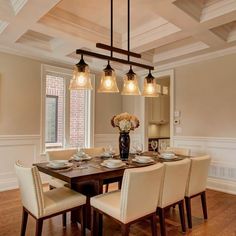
pixel 92 169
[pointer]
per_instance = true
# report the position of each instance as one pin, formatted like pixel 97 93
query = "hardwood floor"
pixel 221 221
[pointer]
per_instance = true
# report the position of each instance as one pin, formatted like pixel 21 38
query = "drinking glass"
pixel 111 150
pixel 154 145
pixel 139 149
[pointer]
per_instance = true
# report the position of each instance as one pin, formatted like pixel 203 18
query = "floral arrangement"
pixel 125 122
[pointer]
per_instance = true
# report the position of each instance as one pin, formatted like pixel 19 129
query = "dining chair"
pixel 60 154
pixel 179 151
pixel 96 151
pixel 43 205
pixel 136 200
pixel 173 190
pixel 196 184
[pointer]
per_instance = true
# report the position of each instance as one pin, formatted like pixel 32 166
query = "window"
pixel 51 121
pixel 67 116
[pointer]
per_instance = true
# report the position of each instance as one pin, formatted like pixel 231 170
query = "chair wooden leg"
pixel 100 224
pixel 181 214
pixel 124 229
pixel 24 222
pixel 39 227
pixel 106 188
pixel 188 210
pixel 204 205
pixel 64 220
pixel 154 224
pixel 161 213
pixel 119 184
pixel 93 222
pixel 82 220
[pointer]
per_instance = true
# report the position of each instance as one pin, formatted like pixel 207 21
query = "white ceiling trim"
pixel 193 47
pixel 17 5
pixel 3 25
pixel 199 58
pixel 217 9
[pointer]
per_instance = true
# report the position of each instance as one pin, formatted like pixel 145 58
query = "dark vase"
pixel 124 143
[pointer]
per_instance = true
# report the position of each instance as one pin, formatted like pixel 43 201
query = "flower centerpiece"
pixel 125 123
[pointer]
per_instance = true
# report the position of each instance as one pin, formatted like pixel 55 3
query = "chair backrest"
pixel 140 191
pixel 179 151
pixel 198 175
pixel 62 154
pixel 30 188
pixel 97 151
pixel 174 182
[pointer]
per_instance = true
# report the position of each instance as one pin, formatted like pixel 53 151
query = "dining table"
pixel 89 177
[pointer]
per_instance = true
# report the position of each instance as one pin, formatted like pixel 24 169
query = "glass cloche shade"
pixel 130 85
pixel 81 77
pixel 108 81
pixel 150 87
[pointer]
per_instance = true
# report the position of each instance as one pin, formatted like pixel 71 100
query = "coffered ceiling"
pixel 163 31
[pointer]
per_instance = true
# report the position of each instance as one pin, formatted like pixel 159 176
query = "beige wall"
pixel 205 93
pixel 106 106
pixel 19 95
pixel 20 91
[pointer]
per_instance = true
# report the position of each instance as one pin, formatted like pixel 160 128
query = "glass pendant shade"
pixel 81 77
pixel 130 85
pixel 108 81
pixel 150 87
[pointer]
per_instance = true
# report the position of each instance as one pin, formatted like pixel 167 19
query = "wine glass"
pixel 111 150
pixel 154 145
pixel 139 149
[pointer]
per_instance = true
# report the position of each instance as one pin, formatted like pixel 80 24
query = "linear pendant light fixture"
pixel 81 76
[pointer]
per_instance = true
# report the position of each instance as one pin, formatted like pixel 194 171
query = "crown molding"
pixel 191 60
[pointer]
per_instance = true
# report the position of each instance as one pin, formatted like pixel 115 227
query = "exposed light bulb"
pixel 108 82
pixel 131 86
pixel 150 88
pixel 80 79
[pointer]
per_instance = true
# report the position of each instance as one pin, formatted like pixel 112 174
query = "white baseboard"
pixel 225 186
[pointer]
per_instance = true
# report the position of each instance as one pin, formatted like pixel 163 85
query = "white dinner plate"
pixel 112 166
pixel 67 165
pixel 81 158
pixel 143 161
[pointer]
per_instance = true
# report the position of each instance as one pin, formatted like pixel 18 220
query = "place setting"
pixel 60 165
pixel 80 156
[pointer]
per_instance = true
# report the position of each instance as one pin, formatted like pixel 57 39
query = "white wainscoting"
pixel 25 148
pixel 222 172
pixel 103 140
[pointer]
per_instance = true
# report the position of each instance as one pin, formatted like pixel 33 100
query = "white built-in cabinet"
pixel 159 109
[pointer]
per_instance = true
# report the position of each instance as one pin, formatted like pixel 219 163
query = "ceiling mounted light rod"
pixel 111 28
pixel 128 33
pixel 118 50
pixel 119 60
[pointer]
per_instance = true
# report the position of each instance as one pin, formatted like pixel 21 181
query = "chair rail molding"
pixel 25 148
pixel 222 171
pixel 103 140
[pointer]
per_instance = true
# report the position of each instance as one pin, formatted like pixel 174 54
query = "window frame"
pixel 66 74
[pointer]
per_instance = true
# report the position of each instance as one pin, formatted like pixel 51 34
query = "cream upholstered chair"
pixel 132 202
pixel 173 190
pixel 196 184
pixel 60 154
pixel 179 151
pixel 42 205
pixel 93 152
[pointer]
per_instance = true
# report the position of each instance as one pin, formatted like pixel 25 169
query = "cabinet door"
pixel 165 108
pixel 156 109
